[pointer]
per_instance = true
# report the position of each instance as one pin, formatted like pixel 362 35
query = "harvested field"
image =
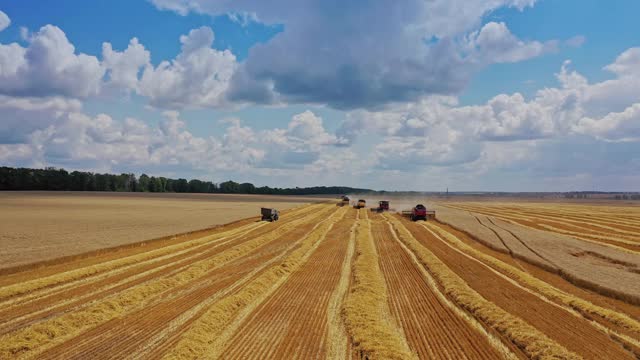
pixel 605 267
pixel 329 282
pixel 39 226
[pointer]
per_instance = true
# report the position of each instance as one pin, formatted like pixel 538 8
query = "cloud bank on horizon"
pixel 393 74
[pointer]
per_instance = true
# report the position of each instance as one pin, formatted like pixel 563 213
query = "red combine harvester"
pixel 419 212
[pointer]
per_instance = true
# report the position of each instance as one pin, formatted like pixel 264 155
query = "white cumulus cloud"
pixel 198 77
pixel 123 67
pixel 48 66
pixel 4 21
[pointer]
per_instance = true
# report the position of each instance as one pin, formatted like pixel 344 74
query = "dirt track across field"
pixel 323 282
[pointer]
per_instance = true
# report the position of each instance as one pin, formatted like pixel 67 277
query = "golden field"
pixel 486 281
pixel 39 226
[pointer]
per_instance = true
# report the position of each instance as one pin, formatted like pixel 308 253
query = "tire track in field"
pixel 293 323
pixel 15 317
pixel 504 243
pixel 620 242
pixel 576 334
pixel 432 329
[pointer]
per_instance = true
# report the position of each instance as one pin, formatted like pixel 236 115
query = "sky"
pixel 469 95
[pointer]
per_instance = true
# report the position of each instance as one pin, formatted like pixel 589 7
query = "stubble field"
pixel 335 282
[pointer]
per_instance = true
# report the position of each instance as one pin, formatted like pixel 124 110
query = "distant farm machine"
pixel 269 214
pixel 383 205
pixel 360 204
pixel 344 200
pixel 419 212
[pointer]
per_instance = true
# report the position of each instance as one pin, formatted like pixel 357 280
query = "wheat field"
pixel 485 281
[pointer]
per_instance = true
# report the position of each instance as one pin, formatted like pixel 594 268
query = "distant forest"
pixel 55 179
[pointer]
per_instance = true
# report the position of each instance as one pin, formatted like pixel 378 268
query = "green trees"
pixel 59 179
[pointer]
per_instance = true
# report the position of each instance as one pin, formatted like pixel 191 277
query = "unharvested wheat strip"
pixel 208 334
pixel 366 309
pixel 529 339
pixel 337 333
pixel 495 342
pixel 36 338
pixel 545 289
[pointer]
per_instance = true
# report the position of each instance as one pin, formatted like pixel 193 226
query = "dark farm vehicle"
pixel 360 204
pixel 269 214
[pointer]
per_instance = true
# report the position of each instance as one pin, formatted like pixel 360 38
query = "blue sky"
pixel 311 93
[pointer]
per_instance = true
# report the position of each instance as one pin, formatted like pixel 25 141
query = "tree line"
pixel 55 179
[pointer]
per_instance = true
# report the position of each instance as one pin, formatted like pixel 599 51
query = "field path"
pixel 433 329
